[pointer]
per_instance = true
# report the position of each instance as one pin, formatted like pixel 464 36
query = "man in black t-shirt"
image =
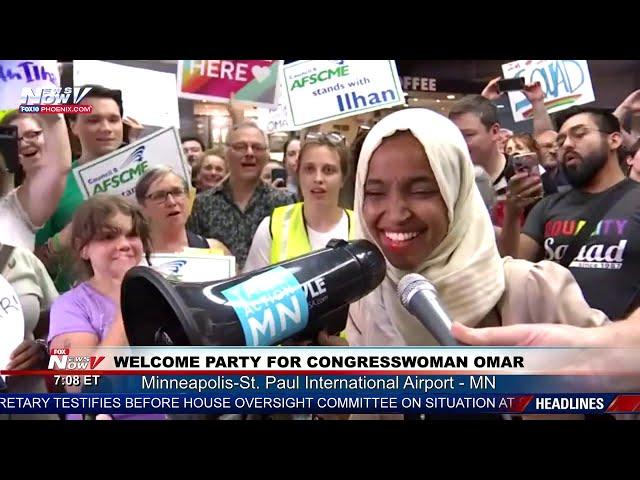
pixel 607 266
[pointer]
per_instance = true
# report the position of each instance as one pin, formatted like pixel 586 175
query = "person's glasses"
pixel 30 136
pixel 333 137
pixel 161 195
pixel 244 147
pixel 577 133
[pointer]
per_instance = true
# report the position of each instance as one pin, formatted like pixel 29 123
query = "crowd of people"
pixel 549 258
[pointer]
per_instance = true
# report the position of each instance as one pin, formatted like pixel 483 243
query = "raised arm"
pixel 40 192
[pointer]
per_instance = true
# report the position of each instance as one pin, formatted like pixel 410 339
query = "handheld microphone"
pixel 420 298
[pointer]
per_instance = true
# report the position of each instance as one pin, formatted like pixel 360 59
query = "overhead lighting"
pixel 500 106
pixel 415 99
pixel 219 121
pixel 451 97
pixel 438 101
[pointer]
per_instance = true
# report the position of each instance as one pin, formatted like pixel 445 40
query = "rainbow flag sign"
pixel 252 81
pixel 564 82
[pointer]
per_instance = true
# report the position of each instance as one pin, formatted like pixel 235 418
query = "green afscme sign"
pixel 118 173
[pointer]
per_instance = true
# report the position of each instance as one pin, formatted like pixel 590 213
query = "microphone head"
pixel 410 284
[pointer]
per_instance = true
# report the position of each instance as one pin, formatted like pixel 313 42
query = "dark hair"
pixel 92 218
pixel 192 139
pixel 633 149
pixel 603 118
pixel 150 176
pixel 479 106
pixel 348 190
pixel 98 91
pixel 286 145
pixel 356 145
pixel 625 152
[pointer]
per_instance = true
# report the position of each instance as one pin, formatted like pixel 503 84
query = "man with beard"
pixel 607 264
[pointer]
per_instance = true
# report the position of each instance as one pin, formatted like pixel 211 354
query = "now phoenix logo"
pixel 54 100
pixel 61 360
pixel 50 96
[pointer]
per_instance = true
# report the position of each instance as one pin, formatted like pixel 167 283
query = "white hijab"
pixel 465 268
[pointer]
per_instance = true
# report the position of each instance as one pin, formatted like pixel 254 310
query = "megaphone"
pixel 292 299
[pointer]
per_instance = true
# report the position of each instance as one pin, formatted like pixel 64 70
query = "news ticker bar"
pixel 310 404
pixel 343 383
pixel 300 360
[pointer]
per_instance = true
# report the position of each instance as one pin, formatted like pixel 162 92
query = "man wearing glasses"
pixel 606 263
pixel 546 140
pixel 232 211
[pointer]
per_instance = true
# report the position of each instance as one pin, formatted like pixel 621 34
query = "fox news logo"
pixel 61 360
pixel 54 100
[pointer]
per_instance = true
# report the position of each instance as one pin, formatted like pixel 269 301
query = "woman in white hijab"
pixel 416 199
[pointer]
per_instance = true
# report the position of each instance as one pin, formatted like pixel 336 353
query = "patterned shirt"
pixel 215 215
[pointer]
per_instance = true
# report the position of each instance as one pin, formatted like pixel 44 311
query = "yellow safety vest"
pixel 289 232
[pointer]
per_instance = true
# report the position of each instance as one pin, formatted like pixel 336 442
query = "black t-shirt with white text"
pixel 607 266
